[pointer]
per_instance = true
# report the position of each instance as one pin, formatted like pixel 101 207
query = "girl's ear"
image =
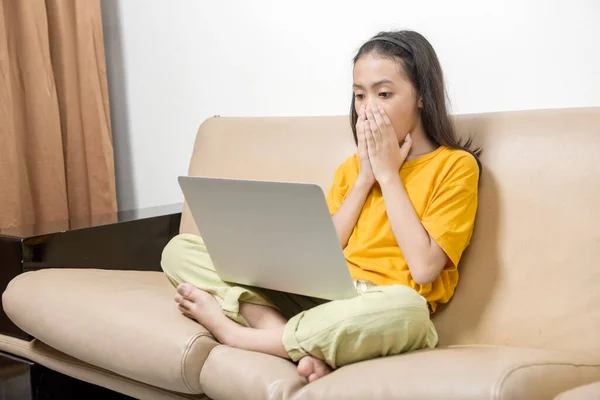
pixel 420 103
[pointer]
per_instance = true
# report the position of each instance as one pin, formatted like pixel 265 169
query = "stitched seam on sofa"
pixel 185 355
pixel 92 368
pixel 498 389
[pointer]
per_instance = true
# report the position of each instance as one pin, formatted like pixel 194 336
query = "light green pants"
pixel 381 321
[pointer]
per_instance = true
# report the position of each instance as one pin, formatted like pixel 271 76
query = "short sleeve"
pixel 450 216
pixel 342 182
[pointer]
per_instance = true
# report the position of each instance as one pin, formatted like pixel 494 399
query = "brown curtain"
pixel 56 152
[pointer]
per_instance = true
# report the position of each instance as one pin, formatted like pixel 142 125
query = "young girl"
pixel 403 208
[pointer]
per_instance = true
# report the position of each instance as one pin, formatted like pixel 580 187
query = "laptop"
pixel 273 235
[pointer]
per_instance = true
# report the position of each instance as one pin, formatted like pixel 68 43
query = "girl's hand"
pixel 385 153
pixel 365 174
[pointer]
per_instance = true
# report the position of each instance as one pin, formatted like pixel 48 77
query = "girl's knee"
pixel 406 319
pixel 396 332
pixel 176 253
pixel 170 253
pixel 382 322
pixel 394 300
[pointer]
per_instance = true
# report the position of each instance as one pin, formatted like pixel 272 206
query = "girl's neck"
pixel 421 144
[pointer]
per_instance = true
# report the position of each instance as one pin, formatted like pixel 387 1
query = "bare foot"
pixel 204 308
pixel 312 368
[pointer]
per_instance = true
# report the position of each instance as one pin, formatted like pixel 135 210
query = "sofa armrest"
pixel 590 391
pixel 125 322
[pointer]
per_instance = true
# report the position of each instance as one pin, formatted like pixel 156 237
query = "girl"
pixel 403 208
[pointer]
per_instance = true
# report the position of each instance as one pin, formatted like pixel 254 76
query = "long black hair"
pixel 422 68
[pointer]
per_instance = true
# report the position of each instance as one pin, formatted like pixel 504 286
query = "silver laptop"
pixel 274 235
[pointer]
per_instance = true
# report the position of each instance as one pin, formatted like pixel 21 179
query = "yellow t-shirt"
pixel 442 187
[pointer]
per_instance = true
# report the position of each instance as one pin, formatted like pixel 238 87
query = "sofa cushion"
pixel 462 372
pixel 122 321
pixel 254 376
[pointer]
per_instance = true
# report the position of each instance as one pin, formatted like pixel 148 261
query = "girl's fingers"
pixel 373 126
pixel 385 117
pixel 405 148
pixel 378 117
pixel 360 120
pixel 360 127
pixel 369 137
pixel 360 134
pixel 361 115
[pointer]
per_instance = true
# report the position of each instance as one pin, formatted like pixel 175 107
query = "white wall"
pixel 173 63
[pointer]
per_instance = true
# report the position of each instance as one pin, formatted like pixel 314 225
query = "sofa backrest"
pixel 531 275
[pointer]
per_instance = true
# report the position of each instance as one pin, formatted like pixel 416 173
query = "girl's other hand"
pixel 385 153
pixel 365 175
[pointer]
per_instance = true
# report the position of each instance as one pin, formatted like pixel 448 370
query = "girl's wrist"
pixel 364 181
pixel 390 180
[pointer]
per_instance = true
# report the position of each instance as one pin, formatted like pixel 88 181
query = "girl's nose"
pixel 372 104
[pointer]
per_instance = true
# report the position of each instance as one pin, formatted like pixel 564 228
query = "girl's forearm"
pixel 345 218
pixel 424 257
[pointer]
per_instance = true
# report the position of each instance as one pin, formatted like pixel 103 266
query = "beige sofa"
pixel 524 323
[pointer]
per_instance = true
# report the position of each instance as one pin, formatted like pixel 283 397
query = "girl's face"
pixel 381 81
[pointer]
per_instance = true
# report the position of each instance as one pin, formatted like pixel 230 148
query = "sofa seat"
pixel 86 314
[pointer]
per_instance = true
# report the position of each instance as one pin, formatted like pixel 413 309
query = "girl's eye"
pixel 359 96
pixel 384 95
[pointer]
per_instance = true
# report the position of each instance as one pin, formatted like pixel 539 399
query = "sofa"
pixel 524 322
